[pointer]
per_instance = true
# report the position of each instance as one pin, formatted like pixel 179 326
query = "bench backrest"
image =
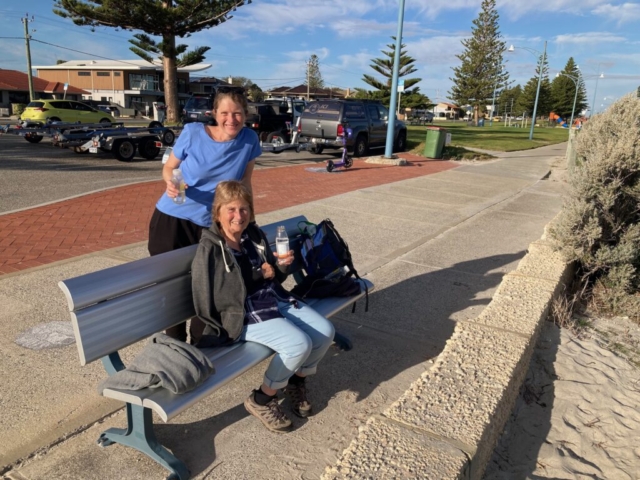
pixel 118 306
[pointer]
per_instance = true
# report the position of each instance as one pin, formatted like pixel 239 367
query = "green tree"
pixel 364 94
pixel 254 92
pixel 240 81
pixel 527 100
pixel 145 47
pixel 481 69
pixel 563 91
pixel 167 19
pixel 314 77
pixel 415 100
pixel 508 100
pixel 384 66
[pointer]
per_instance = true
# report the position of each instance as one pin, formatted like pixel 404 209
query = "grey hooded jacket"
pixel 218 288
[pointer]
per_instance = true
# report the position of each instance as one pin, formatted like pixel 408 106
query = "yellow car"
pixel 67 111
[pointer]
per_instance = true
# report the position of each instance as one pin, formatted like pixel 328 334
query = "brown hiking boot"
pixel 271 414
pixel 298 396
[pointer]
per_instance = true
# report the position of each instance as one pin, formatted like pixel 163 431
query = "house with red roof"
pixel 14 88
pixel 449 111
pixel 311 94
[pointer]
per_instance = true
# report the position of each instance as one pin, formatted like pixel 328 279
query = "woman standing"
pixel 206 155
pixel 237 293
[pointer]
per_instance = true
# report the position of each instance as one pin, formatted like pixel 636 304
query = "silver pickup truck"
pixel 324 122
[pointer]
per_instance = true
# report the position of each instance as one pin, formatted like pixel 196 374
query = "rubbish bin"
pixel 434 143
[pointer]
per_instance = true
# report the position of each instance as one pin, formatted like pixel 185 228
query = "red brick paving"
pixel 120 216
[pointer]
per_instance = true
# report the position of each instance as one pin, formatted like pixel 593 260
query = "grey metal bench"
pixel 119 306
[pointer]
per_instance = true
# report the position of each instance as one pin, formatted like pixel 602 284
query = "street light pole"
pixel 577 82
pixel 540 64
pixel 593 108
pixel 535 105
pixel 391 124
pixel 493 102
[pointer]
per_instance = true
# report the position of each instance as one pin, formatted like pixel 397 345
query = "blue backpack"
pixel 327 263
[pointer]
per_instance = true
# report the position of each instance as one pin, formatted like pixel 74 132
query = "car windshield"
pixel 35 105
pixel 197 103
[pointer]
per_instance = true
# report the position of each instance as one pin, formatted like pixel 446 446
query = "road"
pixel 33 174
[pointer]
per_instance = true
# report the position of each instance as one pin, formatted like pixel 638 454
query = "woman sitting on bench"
pixel 238 295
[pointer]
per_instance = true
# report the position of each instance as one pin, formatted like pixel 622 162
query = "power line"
pixel 85 53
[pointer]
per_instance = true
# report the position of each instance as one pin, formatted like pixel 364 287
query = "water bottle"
pixel 178 181
pixel 282 243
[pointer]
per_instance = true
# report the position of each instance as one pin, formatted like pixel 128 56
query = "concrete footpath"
pixel 436 238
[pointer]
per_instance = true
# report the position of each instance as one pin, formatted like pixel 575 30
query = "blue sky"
pixel 269 41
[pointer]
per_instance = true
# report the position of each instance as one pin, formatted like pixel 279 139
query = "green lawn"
pixel 498 137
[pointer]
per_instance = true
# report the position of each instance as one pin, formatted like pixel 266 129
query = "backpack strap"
pixel 349 263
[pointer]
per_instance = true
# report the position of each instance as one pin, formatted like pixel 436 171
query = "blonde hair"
pixel 229 191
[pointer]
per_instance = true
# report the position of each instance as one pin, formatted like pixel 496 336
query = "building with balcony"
pixel 128 83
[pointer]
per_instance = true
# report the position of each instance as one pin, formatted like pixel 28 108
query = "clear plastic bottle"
pixel 178 181
pixel 282 242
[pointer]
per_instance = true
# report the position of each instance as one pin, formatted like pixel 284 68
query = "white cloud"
pixel 516 9
pixel 432 8
pixel 297 16
pixel 589 38
pixel 625 58
pixel 626 12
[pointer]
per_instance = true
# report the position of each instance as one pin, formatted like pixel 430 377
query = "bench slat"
pixel 290 224
pixel 109 326
pixel 115 281
pixel 328 307
pixel 168 405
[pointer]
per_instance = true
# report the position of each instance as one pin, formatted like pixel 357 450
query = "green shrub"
pixel 17 108
pixel 599 226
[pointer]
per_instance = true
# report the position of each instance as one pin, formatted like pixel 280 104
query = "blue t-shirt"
pixel 205 162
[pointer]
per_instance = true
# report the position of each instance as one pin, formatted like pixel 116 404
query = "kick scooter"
pixel 346 161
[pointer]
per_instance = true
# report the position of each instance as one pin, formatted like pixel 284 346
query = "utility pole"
pixel 25 21
pixel 308 80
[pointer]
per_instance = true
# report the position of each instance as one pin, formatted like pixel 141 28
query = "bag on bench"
pixel 327 263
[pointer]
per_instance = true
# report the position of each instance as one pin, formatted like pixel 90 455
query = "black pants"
pixel 167 233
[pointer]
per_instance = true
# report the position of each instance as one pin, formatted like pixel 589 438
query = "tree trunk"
pixel 170 78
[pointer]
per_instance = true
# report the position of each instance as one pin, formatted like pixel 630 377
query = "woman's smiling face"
pixel 234 217
pixel 230 117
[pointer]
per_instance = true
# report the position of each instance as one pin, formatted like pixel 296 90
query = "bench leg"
pixel 342 342
pixel 139 435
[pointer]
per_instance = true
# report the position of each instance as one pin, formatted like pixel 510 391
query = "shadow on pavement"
pixel 408 324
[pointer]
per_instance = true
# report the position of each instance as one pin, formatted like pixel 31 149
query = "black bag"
pixel 327 263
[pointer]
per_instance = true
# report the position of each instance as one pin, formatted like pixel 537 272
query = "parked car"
pixel 110 109
pixel 291 106
pixel 64 111
pixel 269 125
pixel 324 123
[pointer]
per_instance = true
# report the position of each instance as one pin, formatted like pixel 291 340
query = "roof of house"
pixel 118 65
pixel 302 90
pixel 19 81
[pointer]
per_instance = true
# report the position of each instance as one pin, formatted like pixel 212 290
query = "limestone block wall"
pixel 447 424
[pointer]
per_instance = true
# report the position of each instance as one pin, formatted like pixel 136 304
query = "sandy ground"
pixel 578 414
